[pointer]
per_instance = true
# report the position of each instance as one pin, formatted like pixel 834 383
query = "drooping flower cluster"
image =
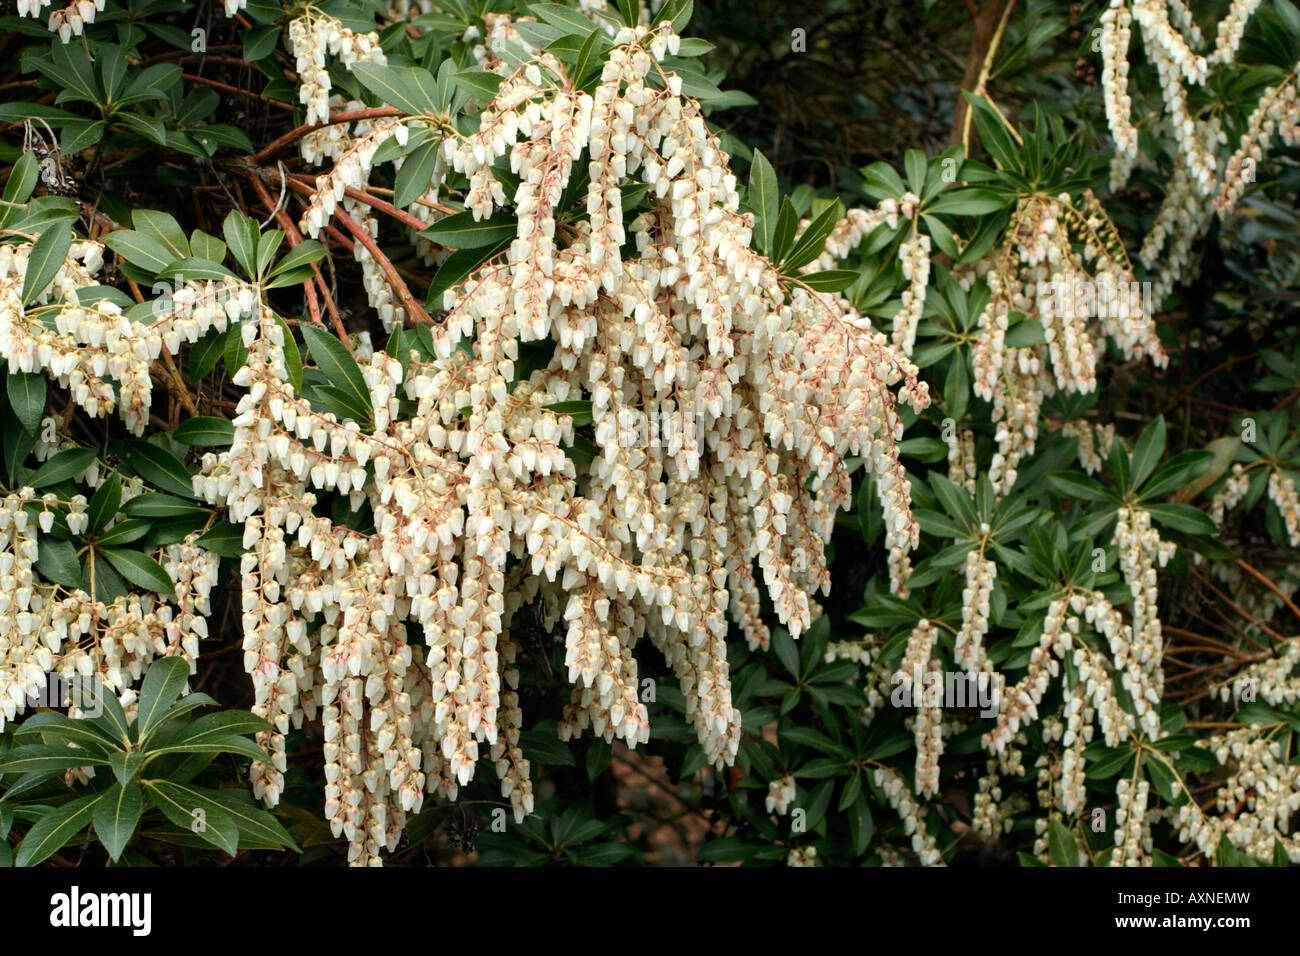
pixel 1079 299
pixel 723 403
pixel 1195 191
pixel 312 36
pixel 97 352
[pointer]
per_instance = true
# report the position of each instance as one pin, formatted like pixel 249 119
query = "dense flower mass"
pixel 629 405
pixel 724 406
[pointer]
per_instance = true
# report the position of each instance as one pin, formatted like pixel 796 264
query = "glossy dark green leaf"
pixel 116 815
pixel 141 570
pixel 47 255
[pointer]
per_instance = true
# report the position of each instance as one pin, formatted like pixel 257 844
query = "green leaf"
pixel 207 352
pixel 196 810
pixel 220 726
pixel 64 465
pixel 861 824
pixel 39 757
pixel 141 570
pixel 116 815
pixel 216 745
pixel 458 267
pixel 1165 780
pixel 163 684
pixel 463 231
pixel 204 246
pixel 22 179
pixel 124 532
pixel 586 63
pixel 140 250
pixel 109 717
pixel 476 83
pixel 305 253
pixel 159 467
pixel 259 42
pixel 27 398
pixel 416 174
pixel 268 243
pixel 191 269
pixel 1080 487
pixel 53 830
pixel 409 89
pixel 163 229
pixel 338 366
pixel 242 236
pixel 126 764
pixel 1178 472
pixel 832 280
pixel 1148 451
pixel 46 256
pixel 104 503
pixel 957 387
pixel 224 539
pixel 1061 844
pixel 915 165
pixel 813 241
pixel 50 724
pixel 155 504
pixel 787 224
pixel 1025 333
pixel 967 201
pixel 58 562
pixel 1182 518
pixel 763 200
pixel 205 430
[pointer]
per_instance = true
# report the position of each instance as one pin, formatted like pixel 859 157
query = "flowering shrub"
pixel 627 391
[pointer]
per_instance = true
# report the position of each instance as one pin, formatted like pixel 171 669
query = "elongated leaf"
pixel 159 467
pixel 26 760
pixel 52 725
pixel 141 570
pixel 476 83
pixel 1061 845
pixel 226 723
pixel 126 764
pixel 250 820
pixel 416 174
pixel 241 236
pixel 219 745
pixel 116 815
pixel 162 685
pixel 1182 518
pixel 763 200
pixel 124 532
pixel 104 502
pixel 463 231
pixel 64 465
pixel 196 811
pixel 140 250
pixel 58 561
pixel 53 831
pixel 1148 451
pixel 338 366
pixel 47 255
pixel 411 90
pixel 813 241
pixel 27 398
pixel 22 180
pixel 205 430
pixel 155 504
pixel 832 280
pixel 303 254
